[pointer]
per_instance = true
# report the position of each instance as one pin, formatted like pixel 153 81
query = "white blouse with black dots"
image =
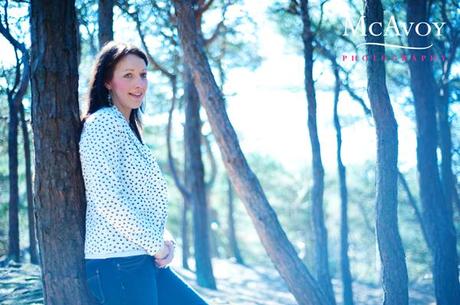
pixel 126 193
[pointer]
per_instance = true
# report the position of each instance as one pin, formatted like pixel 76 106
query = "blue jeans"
pixel 136 280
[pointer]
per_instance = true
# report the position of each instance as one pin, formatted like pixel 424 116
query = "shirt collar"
pixel 144 150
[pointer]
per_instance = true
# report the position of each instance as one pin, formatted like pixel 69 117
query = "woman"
pixel 127 248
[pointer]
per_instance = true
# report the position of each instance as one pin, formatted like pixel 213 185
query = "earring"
pixel 109 98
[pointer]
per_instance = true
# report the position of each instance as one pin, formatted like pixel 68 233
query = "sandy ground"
pixel 20 284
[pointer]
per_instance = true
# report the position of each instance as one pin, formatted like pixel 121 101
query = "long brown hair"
pixel 105 64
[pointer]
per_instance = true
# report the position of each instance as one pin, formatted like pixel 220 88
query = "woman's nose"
pixel 141 82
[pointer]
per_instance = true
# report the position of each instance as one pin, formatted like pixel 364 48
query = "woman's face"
pixel 128 84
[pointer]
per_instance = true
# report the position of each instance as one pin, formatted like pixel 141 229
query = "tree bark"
pixel 437 215
pixel 392 257
pixel 30 203
pixel 319 227
pixel 298 278
pixel 105 21
pixel 347 279
pixel 59 190
pixel 195 174
pixel 233 241
pixel 13 206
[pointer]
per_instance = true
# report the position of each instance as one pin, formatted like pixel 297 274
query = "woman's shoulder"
pixel 105 118
pixel 103 121
pixel 103 115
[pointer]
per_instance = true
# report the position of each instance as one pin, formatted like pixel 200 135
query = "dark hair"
pixel 107 59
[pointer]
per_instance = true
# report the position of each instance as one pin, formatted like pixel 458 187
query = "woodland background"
pixel 329 182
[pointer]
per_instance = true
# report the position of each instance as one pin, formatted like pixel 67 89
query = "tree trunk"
pixel 195 174
pixel 437 215
pixel 185 239
pixel 298 278
pixel 319 227
pixel 213 213
pixel 445 144
pixel 14 98
pixel 180 185
pixel 392 257
pixel 413 203
pixel 234 249
pixel 213 232
pixel 187 204
pixel 59 190
pixel 13 207
pixel 30 203
pixel 449 45
pixel 105 21
pixel 347 279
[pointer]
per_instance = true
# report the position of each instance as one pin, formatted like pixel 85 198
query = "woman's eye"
pixel 144 75
pixel 128 75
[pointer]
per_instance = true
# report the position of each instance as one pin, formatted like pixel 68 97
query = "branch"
pixel 204 6
pixel 182 188
pixel 332 58
pixel 321 15
pixel 356 97
pixel 453 44
pixel 16 44
pixel 18 97
pixel 156 65
pixel 293 8
pixel 215 34
pixel 413 203
pixel 212 160
pixel 445 18
pixel 23 81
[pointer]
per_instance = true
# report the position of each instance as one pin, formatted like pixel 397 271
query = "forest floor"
pixel 20 284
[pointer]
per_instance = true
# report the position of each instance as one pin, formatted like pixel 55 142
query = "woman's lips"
pixel 136 95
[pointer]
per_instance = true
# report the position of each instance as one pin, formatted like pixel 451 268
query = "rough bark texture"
pixel 105 21
pixel 392 257
pixel 13 206
pixel 299 280
pixel 233 241
pixel 437 215
pixel 319 227
pixel 344 259
pixel 195 174
pixel 59 191
pixel 30 203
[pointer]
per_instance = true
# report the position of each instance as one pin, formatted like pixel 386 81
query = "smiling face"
pixel 128 84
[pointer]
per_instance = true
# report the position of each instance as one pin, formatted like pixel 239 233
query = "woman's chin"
pixel 135 104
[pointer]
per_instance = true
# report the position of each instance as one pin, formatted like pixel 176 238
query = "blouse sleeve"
pixel 101 155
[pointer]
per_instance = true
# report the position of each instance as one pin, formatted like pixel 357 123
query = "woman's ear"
pixel 107 85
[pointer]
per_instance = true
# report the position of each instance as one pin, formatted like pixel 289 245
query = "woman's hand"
pixel 162 262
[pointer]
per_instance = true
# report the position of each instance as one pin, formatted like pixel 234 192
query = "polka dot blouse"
pixel 126 192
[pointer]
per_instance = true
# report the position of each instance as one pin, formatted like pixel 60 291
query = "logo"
pixel 393 29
